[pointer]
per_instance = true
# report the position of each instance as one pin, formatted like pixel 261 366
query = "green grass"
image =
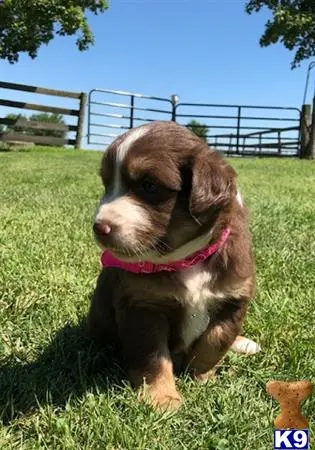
pixel 57 391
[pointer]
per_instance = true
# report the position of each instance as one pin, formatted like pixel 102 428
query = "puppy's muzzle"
pixel 102 229
pixel 104 232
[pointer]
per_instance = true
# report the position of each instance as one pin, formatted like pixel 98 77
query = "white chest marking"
pixel 197 303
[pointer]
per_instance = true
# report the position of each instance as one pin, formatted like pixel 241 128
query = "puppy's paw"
pixel 167 401
pixel 203 378
pixel 161 398
pixel 245 346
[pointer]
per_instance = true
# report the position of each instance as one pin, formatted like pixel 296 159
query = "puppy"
pixel 178 270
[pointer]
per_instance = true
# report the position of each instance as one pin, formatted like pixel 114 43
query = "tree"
pixel 292 23
pixel 27 24
pixel 199 129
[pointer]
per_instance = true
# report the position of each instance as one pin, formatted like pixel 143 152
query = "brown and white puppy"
pixel 167 196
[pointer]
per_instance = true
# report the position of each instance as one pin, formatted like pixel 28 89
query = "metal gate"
pixel 231 129
pixel 110 113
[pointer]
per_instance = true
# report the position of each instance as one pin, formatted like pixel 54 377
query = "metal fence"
pixel 245 129
pixel 231 129
pixel 109 117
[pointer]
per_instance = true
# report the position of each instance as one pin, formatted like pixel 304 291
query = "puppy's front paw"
pixel 162 398
pixel 202 378
pixel 167 401
pixel 245 346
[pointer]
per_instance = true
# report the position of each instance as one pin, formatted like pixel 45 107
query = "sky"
pixel 202 50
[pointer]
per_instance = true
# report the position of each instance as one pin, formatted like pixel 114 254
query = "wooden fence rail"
pixel 43 126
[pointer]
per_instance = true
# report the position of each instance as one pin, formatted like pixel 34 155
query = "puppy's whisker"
pixel 140 251
pixel 157 250
pixel 159 243
pixel 196 220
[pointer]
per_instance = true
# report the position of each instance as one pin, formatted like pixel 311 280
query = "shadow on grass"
pixel 68 367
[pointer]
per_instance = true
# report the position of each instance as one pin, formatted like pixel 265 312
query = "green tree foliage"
pixel 27 24
pixel 199 129
pixel 292 23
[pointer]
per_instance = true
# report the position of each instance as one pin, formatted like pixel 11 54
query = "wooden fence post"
pixel 305 130
pixel 81 118
pixel 311 152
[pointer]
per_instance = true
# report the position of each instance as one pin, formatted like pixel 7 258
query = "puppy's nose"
pixel 101 228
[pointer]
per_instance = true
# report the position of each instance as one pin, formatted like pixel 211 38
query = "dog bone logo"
pixel 290 395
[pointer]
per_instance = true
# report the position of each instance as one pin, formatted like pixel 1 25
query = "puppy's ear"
pixel 212 184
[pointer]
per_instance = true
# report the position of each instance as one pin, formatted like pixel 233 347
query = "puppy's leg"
pixel 213 344
pixel 144 335
pixel 101 321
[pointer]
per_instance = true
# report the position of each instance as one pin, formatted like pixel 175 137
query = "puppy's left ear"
pixel 213 182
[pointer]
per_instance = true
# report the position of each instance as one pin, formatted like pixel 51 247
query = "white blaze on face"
pixel 121 153
pixel 117 207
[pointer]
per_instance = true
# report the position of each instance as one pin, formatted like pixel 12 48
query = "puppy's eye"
pixel 151 191
pixel 149 186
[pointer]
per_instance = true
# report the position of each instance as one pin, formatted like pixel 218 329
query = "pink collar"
pixel 108 260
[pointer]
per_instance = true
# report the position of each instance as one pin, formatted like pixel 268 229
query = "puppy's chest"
pixel 197 302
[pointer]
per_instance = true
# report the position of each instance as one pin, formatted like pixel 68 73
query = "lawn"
pixel 57 391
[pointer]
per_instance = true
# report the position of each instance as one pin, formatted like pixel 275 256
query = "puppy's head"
pixel 164 190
